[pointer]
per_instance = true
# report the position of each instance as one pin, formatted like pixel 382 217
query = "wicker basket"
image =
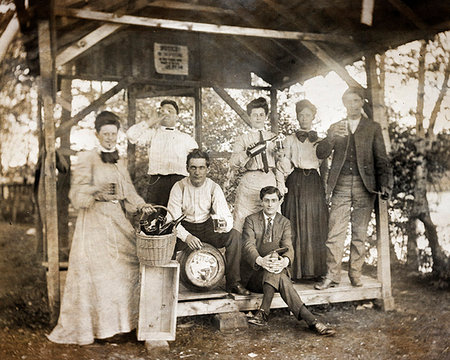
pixel 155 250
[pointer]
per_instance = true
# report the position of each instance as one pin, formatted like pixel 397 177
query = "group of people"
pixel 264 249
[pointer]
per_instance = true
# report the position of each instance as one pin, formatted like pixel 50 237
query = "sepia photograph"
pixel 224 179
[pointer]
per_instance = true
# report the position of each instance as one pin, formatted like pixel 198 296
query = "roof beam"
pixel 192 7
pixel 319 52
pixel 92 107
pixel 8 35
pixel 198 27
pixel 331 63
pixel 408 13
pixel 85 43
pixel 232 103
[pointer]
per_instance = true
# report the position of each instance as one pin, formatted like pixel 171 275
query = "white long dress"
pixel 101 294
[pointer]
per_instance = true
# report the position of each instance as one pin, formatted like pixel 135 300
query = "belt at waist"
pixel 262 170
pixel 111 201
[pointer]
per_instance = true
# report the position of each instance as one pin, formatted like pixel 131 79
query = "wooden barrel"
pixel 201 270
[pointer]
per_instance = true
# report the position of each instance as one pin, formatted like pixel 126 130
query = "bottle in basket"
pixel 168 228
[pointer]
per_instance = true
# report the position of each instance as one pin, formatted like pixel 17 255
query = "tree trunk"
pixel 412 253
pixel 421 211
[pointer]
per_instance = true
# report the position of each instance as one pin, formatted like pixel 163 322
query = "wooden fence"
pixel 17 202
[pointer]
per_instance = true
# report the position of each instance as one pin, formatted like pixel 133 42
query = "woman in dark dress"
pixel 304 203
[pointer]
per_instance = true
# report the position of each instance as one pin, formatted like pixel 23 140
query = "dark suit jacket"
pixel 252 237
pixel 373 163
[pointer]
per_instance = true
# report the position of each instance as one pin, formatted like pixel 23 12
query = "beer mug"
pixel 220 224
pixel 343 128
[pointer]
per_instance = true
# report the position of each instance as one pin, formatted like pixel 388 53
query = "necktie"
pixel 263 154
pixel 268 232
pixel 302 135
pixel 109 157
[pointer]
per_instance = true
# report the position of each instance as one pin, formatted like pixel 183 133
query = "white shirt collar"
pixel 266 218
pixel 102 149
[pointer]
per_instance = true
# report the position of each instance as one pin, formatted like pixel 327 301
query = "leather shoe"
pixel 239 289
pixel 356 282
pixel 321 329
pixel 259 319
pixel 325 284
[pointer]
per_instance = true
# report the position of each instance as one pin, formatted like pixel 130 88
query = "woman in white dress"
pixel 260 169
pixel 101 294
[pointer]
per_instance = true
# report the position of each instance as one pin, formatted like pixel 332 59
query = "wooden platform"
pixel 218 301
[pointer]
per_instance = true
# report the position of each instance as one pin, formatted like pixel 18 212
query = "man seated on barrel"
pixel 267 252
pixel 198 197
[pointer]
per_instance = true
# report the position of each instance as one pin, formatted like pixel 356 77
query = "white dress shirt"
pixel 198 204
pixel 353 124
pixel 167 148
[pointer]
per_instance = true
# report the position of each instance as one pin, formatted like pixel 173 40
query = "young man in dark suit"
pixel 360 169
pixel 266 254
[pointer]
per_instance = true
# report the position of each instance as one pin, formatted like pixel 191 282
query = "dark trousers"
pixel 205 232
pixel 158 189
pixel 282 283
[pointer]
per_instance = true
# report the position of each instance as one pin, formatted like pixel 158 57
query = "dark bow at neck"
pixel 109 157
pixel 311 135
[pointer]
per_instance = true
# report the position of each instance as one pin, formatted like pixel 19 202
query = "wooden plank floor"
pixel 218 301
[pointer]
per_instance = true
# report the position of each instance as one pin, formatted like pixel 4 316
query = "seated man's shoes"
pixel 356 282
pixel 322 329
pixel 239 289
pixel 259 319
pixel 325 284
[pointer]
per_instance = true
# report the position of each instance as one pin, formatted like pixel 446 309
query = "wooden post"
pixel 198 116
pixel 273 111
pixel 51 219
pixel 383 262
pixel 63 183
pixel 377 99
pixel 131 149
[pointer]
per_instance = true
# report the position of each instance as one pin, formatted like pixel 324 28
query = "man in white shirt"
pixel 198 197
pixel 266 253
pixel 167 150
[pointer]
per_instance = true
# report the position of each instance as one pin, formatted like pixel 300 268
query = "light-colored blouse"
pixel 240 159
pixel 299 154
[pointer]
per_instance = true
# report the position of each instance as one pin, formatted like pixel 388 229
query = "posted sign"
pixel 171 59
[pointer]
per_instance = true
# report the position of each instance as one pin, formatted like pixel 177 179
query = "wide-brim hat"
pixel 267 248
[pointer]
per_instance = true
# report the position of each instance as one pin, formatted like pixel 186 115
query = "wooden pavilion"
pixel 176 48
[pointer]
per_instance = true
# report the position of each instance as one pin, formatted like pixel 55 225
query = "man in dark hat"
pixel 359 170
pixel 167 150
pixel 266 254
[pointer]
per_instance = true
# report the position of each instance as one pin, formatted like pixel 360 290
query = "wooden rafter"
pixel 253 21
pixel 232 103
pixel 409 13
pixel 318 51
pixel 8 35
pixel 92 107
pixel 184 6
pixel 198 27
pixel 331 63
pixel 85 43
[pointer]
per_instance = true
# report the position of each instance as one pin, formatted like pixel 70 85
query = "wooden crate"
pixel 158 302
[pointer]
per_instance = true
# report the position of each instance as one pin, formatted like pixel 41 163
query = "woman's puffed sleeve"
pixel 82 189
pixel 284 164
pixel 239 156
